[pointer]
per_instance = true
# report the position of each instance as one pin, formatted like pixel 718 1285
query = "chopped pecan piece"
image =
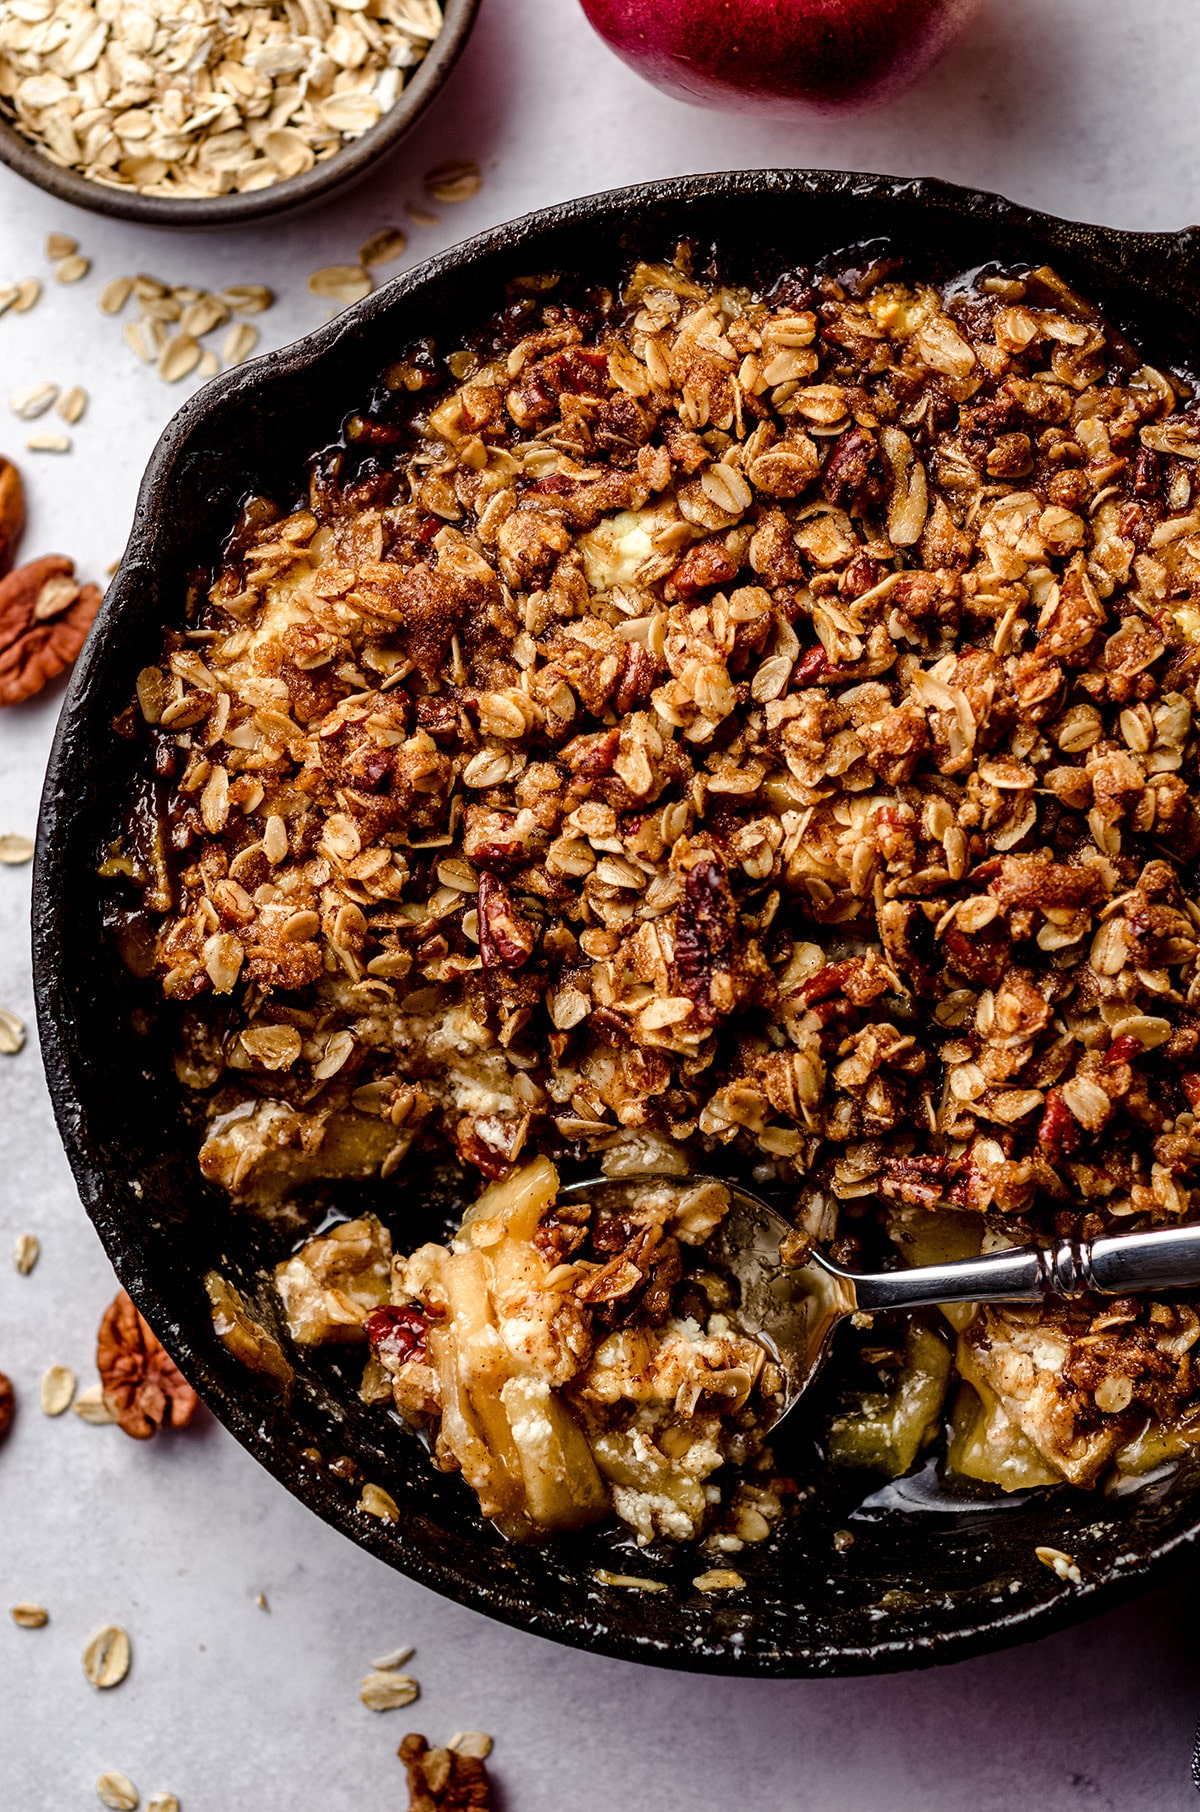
pixel 443 1780
pixel 706 938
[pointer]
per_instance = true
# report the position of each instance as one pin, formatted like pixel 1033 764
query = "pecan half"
pixel 33 648
pixel 442 1780
pixel 12 512
pixel 143 1387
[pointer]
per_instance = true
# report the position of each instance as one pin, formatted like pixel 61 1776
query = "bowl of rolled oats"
pixel 193 113
pixel 694 686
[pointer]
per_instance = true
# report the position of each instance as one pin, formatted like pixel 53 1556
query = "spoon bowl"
pixel 793 1310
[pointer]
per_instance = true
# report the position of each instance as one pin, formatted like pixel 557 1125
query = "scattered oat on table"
pixel 47 440
pixel 419 215
pixel 383 246
pixel 91 1408
pixel 26 1248
pixel 12 1033
pixel 117 1790
pixel 57 1389
pixel 60 246
pixel 239 343
pixel 340 283
pixel 475 1743
pixel 260 1599
pixel 72 404
pixel 180 356
pixel 454 181
pixel 15 849
pixel 28 292
pixel 396 1658
pixel 70 270
pixel 387 1690
pixel 209 99
pixel 29 1616
pixel 247 298
pixel 33 400
pixel 115 295
pixel 162 1802
pixel 107 1656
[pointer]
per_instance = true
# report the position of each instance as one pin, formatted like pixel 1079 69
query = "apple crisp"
pixel 691 728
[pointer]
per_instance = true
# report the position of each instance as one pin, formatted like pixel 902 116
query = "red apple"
pixel 777 56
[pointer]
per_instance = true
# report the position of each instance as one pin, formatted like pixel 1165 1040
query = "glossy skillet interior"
pixel 923 1581
pixel 340 171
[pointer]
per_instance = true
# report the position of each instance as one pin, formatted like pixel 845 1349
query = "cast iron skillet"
pixel 925 1579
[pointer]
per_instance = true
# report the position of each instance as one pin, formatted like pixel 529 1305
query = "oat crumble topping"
pixel 693 727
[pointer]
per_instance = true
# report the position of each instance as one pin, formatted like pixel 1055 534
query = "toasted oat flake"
pixel 179 359
pixel 57 1389
pixel 47 440
pixel 378 1502
pixel 12 1033
pixel 1062 1564
pixel 633 1582
pixel 397 1658
pixel 60 246
pixel 91 1407
pixel 114 295
pixel 29 1616
pixel 239 343
pixel 70 270
pixel 454 181
pixel 340 283
pixel 383 246
pixel 162 1802
pixel 33 401
pixel 15 849
pixel 107 1657
pixel 117 1791
pixel 28 292
pixel 719 1579
pixel 260 1599
pixel 209 365
pixel 26 1249
pixel 387 1690
pixel 72 404
pixel 419 215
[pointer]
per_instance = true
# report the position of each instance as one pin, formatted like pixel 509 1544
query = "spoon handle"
pixel 1166 1259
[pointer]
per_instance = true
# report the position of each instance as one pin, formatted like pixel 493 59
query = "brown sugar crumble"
pixel 692 727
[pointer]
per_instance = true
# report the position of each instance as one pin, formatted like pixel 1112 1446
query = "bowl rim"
pixel 1178 253
pixel 345 167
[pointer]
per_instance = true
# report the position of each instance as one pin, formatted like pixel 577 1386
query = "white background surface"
pixel 1087 107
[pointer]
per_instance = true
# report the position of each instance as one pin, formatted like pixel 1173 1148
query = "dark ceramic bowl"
pixel 928 1577
pixel 340 171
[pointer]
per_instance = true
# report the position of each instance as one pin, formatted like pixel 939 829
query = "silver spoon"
pixel 793 1311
